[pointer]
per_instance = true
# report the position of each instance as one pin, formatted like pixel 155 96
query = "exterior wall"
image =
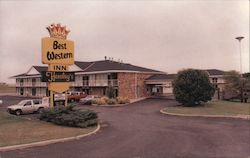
pixel 218 82
pixel 97 91
pixel 167 87
pixel 98 80
pixel 132 85
pixel 26 87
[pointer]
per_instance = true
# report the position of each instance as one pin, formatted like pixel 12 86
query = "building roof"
pixel 95 66
pixel 162 77
pixel 107 65
pixel 83 65
pixel 214 72
pixel 41 68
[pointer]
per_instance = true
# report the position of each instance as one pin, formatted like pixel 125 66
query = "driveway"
pixel 139 130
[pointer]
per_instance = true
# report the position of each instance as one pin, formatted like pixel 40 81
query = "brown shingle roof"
pixel 213 72
pixel 102 65
pixel 41 68
pixel 106 65
pixel 162 77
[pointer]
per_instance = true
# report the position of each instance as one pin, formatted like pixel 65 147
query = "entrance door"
pixel 21 91
pixel 33 91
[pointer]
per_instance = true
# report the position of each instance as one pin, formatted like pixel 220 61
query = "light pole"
pixel 239 39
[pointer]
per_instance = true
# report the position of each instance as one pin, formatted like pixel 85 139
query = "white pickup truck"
pixel 28 106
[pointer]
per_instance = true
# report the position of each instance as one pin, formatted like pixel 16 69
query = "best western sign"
pixel 52 76
pixel 57 51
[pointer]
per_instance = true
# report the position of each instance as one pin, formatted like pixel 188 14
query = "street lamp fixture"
pixel 239 39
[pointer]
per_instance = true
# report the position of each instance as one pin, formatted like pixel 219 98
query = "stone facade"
pixel 132 85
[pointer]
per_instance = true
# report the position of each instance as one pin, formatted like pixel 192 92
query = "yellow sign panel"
pixel 57 67
pixel 57 51
pixel 58 87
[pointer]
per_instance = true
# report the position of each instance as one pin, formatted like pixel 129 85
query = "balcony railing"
pixel 112 83
pixel 76 84
pixel 95 83
pixel 30 84
pixel 86 83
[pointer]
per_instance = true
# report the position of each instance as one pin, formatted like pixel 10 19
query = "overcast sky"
pixel 162 35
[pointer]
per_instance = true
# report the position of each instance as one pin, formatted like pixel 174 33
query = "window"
pixel 28 103
pixel 214 80
pixel 33 82
pixel 21 82
pixel 36 101
pixel 85 80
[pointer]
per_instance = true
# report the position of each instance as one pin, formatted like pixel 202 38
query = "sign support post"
pixel 51 98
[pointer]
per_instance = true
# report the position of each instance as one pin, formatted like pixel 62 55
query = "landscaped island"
pixel 212 108
pixel 17 130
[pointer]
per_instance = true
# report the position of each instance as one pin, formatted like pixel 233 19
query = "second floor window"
pixel 85 80
pixel 214 80
pixel 21 82
pixel 33 81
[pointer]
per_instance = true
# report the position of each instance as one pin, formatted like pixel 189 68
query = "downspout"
pixel 136 85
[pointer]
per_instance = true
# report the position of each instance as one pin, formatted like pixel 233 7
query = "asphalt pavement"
pixel 139 130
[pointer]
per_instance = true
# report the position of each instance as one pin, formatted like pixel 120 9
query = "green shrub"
pixel 122 100
pixel 69 116
pixel 192 87
pixel 111 101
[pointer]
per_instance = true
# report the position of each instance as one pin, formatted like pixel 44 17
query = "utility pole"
pixel 239 39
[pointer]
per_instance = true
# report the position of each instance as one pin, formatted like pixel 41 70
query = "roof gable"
pixel 214 72
pixel 41 68
pixel 32 71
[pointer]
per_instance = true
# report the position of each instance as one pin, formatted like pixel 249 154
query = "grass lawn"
pixel 213 108
pixel 16 130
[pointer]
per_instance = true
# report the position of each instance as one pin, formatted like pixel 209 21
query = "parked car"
pixel 28 106
pixel 75 96
pixel 88 99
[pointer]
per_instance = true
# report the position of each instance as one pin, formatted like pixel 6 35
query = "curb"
pixel 114 105
pixel 244 117
pixel 47 142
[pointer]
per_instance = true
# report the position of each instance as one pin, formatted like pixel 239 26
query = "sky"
pixel 165 35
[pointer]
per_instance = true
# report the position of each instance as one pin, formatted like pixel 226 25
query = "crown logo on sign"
pixel 58 31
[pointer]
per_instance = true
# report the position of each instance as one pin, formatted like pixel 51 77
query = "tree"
pixel 192 87
pixel 238 84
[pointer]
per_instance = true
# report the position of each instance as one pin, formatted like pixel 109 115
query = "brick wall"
pixel 132 85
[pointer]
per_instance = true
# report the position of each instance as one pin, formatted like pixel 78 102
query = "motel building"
pixel 95 77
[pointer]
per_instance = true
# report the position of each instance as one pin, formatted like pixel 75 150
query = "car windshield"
pixel 22 102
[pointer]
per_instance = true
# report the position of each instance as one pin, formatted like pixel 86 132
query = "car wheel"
pixel 40 110
pixel 18 112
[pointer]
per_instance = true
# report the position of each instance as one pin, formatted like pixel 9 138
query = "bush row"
pixel 69 116
pixel 111 101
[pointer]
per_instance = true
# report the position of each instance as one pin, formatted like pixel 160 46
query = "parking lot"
pixel 139 130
